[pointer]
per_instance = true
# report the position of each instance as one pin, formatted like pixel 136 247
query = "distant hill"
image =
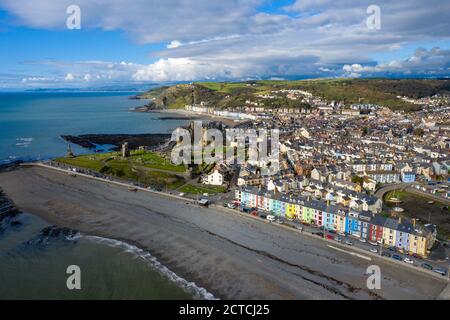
pixel 383 92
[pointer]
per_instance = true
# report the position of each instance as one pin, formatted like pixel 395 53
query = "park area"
pixel 144 167
pixel 422 208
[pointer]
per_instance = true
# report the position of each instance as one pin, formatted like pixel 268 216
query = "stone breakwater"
pixel 90 141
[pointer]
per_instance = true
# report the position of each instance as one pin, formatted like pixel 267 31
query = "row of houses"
pixel 404 235
pixel 220 113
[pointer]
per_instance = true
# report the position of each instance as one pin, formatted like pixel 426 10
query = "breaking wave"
pixel 190 287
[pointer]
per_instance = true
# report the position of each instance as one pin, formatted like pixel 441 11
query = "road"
pixel 232 257
pixel 409 187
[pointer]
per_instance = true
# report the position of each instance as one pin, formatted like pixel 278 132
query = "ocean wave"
pixel 25 139
pixel 191 287
pixel 24 142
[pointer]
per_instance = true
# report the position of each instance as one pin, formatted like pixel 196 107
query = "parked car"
pixel 415 255
pixel 393 249
pixel 373 243
pixel 374 250
pixel 362 240
pixel 305 224
pixel 440 271
pixel 348 242
pixel 320 234
pixel 427 266
pixel 396 257
pixel 298 227
pixel 330 237
pixel 279 221
pixel 386 254
pixel 408 260
pixel 270 218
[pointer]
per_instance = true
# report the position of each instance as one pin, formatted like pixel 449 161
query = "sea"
pixel 34 256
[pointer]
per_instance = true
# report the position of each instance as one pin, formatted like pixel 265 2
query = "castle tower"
pixel 125 150
pixel 69 153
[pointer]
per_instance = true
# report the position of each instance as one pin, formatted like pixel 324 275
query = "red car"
pixel 415 255
pixel 330 237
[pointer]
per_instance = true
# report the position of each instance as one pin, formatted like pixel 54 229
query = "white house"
pixel 214 178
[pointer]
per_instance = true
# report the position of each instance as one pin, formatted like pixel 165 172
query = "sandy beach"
pixel 231 256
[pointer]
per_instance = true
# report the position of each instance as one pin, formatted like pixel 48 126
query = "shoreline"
pixel 183 114
pixel 189 287
pixel 229 257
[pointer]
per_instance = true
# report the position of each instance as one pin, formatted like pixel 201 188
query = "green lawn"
pixel 203 189
pixel 87 162
pixel 131 168
pixel 155 161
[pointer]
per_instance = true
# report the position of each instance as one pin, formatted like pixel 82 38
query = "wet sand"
pixel 231 256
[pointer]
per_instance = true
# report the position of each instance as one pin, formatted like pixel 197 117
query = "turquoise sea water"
pixel 33 266
pixel 31 123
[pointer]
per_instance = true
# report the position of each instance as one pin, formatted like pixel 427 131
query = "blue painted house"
pixel 408 176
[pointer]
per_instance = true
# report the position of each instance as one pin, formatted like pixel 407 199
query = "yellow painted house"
pixel 418 244
pixel 389 237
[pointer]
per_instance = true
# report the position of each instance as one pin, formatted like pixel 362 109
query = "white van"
pixel 270 218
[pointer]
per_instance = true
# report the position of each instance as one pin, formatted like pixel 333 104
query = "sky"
pixel 128 42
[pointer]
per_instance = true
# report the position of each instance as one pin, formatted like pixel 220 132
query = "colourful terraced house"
pixel 403 235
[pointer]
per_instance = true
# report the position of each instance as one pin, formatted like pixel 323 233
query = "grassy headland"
pixel 383 92
pixel 145 167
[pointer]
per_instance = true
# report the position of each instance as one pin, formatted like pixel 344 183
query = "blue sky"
pixel 141 41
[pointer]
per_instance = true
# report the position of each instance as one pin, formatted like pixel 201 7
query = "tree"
pixel 419 132
pixel 365 131
pixel 357 179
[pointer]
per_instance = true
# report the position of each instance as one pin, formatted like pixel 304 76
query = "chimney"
pixel 399 220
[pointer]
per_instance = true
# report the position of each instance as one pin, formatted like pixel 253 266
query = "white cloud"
pixel 433 62
pixel 36 79
pixel 69 77
pixel 174 44
pixel 232 39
